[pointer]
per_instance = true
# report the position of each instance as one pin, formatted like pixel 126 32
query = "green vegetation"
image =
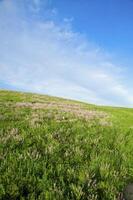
pixel 56 149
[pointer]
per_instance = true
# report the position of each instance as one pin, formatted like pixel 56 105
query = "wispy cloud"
pixel 39 55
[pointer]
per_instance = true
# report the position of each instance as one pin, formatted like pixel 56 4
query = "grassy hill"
pixel 57 149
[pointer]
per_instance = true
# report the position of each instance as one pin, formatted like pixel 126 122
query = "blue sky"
pixel 78 49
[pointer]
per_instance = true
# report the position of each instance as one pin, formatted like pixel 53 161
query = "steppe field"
pixel 57 149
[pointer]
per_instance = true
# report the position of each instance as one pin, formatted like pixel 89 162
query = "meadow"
pixel 58 149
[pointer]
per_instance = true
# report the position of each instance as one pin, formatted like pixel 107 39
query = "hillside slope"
pixel 52 148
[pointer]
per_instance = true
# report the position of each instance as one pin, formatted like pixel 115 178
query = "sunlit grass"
pixel 48 153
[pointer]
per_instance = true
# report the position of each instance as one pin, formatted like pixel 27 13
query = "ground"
pixel 53 148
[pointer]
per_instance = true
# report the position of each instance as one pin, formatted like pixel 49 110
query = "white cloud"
pixel 45 57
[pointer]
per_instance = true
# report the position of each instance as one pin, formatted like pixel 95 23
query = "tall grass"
pixel 60 159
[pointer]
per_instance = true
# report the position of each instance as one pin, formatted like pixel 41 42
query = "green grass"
pixel 50 153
